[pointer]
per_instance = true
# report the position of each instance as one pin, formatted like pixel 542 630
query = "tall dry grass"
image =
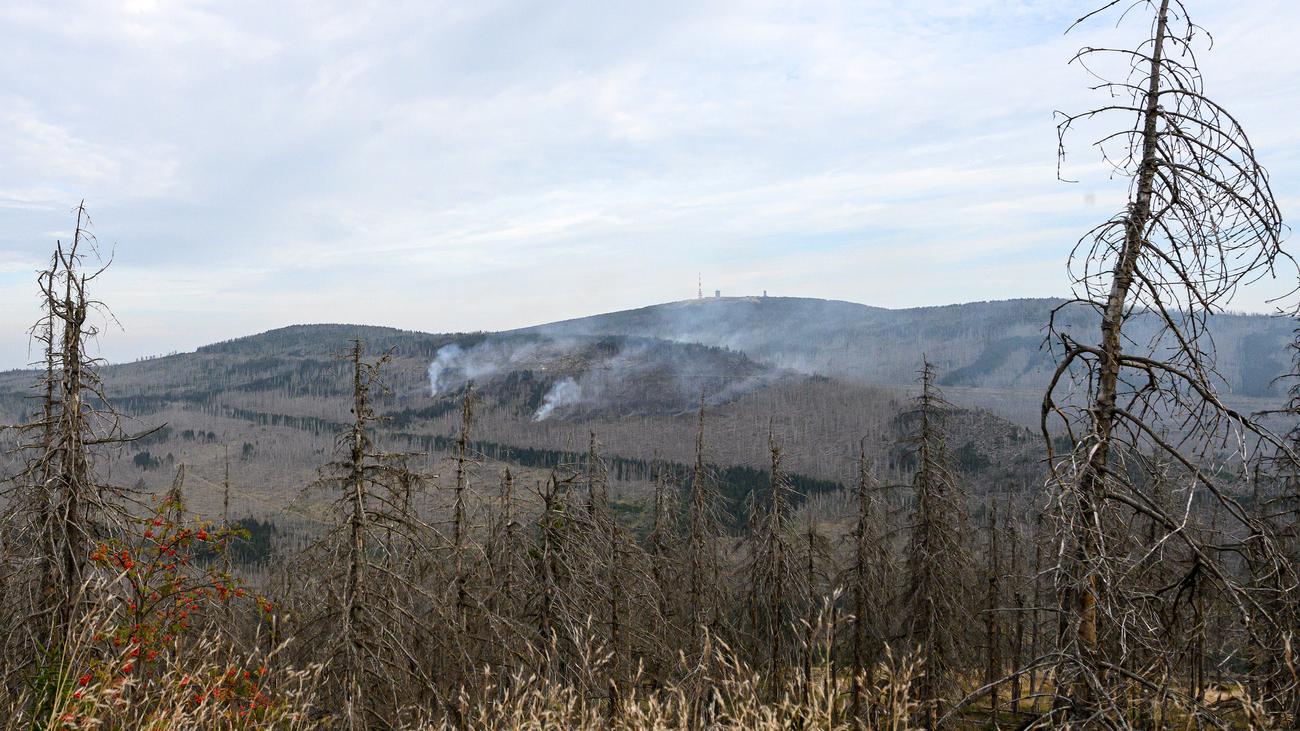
pixel 193 689
pixel 203 683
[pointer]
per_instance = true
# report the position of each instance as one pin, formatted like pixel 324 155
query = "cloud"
pixel 456 166
pixel 15 261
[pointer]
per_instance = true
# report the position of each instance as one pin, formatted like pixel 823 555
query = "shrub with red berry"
pixel 162 623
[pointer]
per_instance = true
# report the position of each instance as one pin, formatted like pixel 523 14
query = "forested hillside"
pixel 816 370
pixel 995 345
pixel 275 402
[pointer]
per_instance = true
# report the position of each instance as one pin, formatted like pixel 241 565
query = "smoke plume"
pixel 565 392
pixel 603 374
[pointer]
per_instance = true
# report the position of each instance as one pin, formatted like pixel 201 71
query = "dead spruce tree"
pixel 869 582
pixel 459 518
pixel 563 595
pixel 354 611
pixel 938 561
pixel 772 573
pixel 57 506
pixel 605 554
pixel 817 619
pixel 505 556
pixel 466 641
pixel 1021 614
pixel 1276 502
pixel 634 609
pixel 663 554
pixel 1200 222
pixel 992 609
pixel 703 570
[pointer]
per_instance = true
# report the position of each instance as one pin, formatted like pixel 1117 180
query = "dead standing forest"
pixel 1131 566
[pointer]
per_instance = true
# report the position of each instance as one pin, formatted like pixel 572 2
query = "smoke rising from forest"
pixel 597 374
pixel 565 392
pixel 454 366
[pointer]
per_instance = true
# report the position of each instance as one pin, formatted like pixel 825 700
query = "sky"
pixel 455 166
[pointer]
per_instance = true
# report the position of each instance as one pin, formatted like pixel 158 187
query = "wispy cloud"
pixel 456 165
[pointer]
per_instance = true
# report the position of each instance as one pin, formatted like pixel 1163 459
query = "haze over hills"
pixel 822 374
pixel 998 344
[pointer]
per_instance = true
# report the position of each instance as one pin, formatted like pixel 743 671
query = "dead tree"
pixel 663 554
pixel 460 527
pixel 1200 222
pixel 57 507
pixel 174 498
pixel 605 553
pixel 596 479
pixel 566 593
pixel 938 562
pixel 1275 501
pixel 1021 613
pixel 992 612
pixel 549 570
pixel 816 652
pixel 503 551
pixel 356 620
pixel 225 503
pixel 1037 631
pixel 869 580
pixel 355 602
pixel 702 561
pixel 771 574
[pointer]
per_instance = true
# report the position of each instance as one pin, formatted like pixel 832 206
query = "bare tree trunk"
pixel 618 660
pixel 225 503
pixel 860 589
pixel 354 625
pixel 1018 639
pixel 938 562
pixel 1200 222
pixel 1092 475
pixel 459 528
pixel 702 560
pixel 1036 626
pixel 510 538
pixel 992 604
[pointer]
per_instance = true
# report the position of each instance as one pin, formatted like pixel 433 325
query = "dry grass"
pixel 208 686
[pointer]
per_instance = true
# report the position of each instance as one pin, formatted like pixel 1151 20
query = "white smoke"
pixel 446 356
pixel 565 392
pixel 453 366
pixel 628 375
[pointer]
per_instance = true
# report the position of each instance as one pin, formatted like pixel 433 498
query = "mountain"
pixel 828 378
pixel 278 399
pixel 978 346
